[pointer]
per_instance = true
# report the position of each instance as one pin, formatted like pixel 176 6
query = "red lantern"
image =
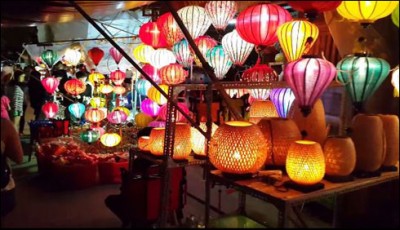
pixel 152 72
pixel 96 54
pixel 50 109
pixel 169 28
pixel 150 34
pixel 173 74
pixel 312 8
pixel 260 73
pixel 204 43
pixel 115 54
pixel 94 115
pixel 50 84
pixel 258 24
pixel 162 113
pixel 117 77
pixel 74 87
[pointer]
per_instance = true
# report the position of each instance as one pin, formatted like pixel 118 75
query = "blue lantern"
pixel 77 109
pixel 142 86
pixel 282 99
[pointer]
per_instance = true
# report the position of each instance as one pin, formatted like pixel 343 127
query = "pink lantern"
pixel 150 107
pixel 50 109
pixel 115 54
pixel 204 43
pixel 258 24
pixel 260 73
pixel 183 53
pixel 162 114
pixel 99 129
pixel 308 78
pixel 152 72
pixel 161 57
pixel 117 77
pixel 168 26
pixel 237 49
pixel 117 117
pixel 220 12
pixel 173 74
pixel 150 34
pixel 50 84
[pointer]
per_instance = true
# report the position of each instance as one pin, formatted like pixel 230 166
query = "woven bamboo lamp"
pixel 182 144
pixel 391 129
pixel 157 141
pixel 261 109
pixel 199 141
pixel 238 148
pixel 144 143
pixel 340 156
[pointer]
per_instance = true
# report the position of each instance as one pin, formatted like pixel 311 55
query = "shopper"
pixel 5 104
pixel 16 95
pixel 37 93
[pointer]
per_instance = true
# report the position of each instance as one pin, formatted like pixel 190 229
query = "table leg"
pixel 242 203
pixel 283 216
pixel 335 211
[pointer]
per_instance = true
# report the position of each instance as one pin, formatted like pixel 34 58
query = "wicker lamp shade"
pixel 198 140
pixel 110 139
pixel 182 53
pixel 219 60
pixel 142 120
pixel 305 162
pixel 238 147
pixel 237 49
pixel 144 143
pixel 391 129
pixel 220 12
pixel 50 109
pixel 195 20
pixel 261 109
pixel 157 141
pixel 395 82
pixel 95 115
pixel 142 53
pixel 340 156
pixel 169 28
pixel 282 99
pixel 182 144
pixel 161 57
pixel 156 96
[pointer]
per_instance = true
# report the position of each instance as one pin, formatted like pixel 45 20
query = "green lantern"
pixel 90 136
pixel 49 57
pixel 395 16
pixel 362 76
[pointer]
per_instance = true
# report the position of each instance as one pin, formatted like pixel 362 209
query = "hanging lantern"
pixel 204 43
pixel 117 77
pixel 110 139
pixel 238 93
pixel 157 124
pixel 123 109
pixel 143 86
pixel 283 99
pixel 169 28
pixel 77 109
pixel 308 78
pixel 198 140
pixel 97 102
pixel 144 143
pixel 119 90
pixel 161 57
pixel 395 81
pixel 50 109
pixel 366 12
pixel 95 115
pixel 173 74
pixel 156 96
pixel 142 53
pixel 96 54
pixel 183 53
pixel 115 54
pixel 162 114
pixel 195 20
pixel 312 8
pixel 219 60
pixel 305 162
pixel 362 76
pixel 149 107
pixel 96 77
pixel 106 89
pixel 152 72
pixel 238 147
pixel 117 117
pixel 261 109
pixel 395 16
pixel 157 141
pixel 100 130
pixel 150 34
pixel 90 136
pixel 260 73
pixel 74 87
pixel 258 24
pixel 237 49
pixel 296 38
pixel 72 57
pixel 220 13
pixel 142 120
pixel 49 57
pixel 182 144
pixel 50 84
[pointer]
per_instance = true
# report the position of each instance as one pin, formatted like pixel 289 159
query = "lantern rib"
pixel 366 80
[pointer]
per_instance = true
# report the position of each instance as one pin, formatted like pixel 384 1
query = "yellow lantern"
pixel 119 90
pixel 96 77
pixel 305 162
pixel 142 120
pixel 157 141
pixel 110 139
pixel 261 109
pixel 296 38
pixel 123 109
pixel 182 144
pixel 97 102
pixel 144 143
pixel 395 82
pixel 142 53
pixel 156 96
pixel 366 12
pixel 106 89
pixel 198 140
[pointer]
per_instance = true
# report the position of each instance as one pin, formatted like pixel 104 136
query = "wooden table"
pixel 286 200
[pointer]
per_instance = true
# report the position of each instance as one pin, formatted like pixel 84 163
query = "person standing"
pixel 37 93
pixel 16 95
pixel 5 104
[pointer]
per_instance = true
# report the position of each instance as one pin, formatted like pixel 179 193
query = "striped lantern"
pixel 96 54
pixel 198 140
pixel 220 13
pixel 296 38
pixel 237 49
pixel 162 114
pixel 173 74
pixel 195 20
pixel 156 96
pixel 219 60
pixel 308 78
pixel 71 57
pixel 50 109
pixel 150 34
pixel 49 57
pixel 117 77
pixel 74 87
pixel 204 43
pixel 161 57
pixel 115 54
pixel 142 86
pixel 90 136
pixel 106 88
pixel 123 109
pixel 97 102
pixel 183 53
pixel 260 73
pixel 117 117
pixel 238 93
pixel 95 115
pixel 152 72
pixel 142 53
pixel 169 28
pixel 283 99
pixel 110 139
pixel 258 24
pixel 96 77
pixel 157 124
pixel 119 90
pixel 312 8
pixel 50 84
pixel 76 109
pixel 395 16
pixel 149 107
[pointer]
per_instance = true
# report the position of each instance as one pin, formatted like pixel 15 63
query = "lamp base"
pixel 339 179
pixel 363 174
pixel 199 157
pixel 304 188
pixel 238 176
pixel 388 169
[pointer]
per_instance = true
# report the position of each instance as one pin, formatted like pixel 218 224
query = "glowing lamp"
pixel 219 60
pixel 156 96
pixel 198 140
pixel 182 144
pixel 90 136
pixel 150 34
pixel 142 52
pixel 237 49
pixel 312 8
pixel 162 114
pixel 95 115
pixel 77 109
pixel 115 54
pixel 117 77
pixel 305 162
pixel 49 57
pixel 204 43
pixel 220 13
pixel 283 99
pixel 144 143
pixel 161 57
pixel 183 53
pixel 96 54
pixel 142 120
pixel 110 139
pixel 119 90
pixel 74 87
pixel 150 107
pixel 173 74
pixel 50 84
pixel 195 20
pixel 100 130
pixel 142 86
pixel 261 109
pixel 72 57
pixel 96 77
pixel 260 73
pixel 157 141
pixel 97 102
pixel 152 72
pixel 395 82
pixel 238 147
pixel 106 88
pixel 123 109
pixel 169 28
pixel 50 109
pixel 117 117
pixel 395 16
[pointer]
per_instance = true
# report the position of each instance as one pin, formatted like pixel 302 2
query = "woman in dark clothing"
pixel 37 93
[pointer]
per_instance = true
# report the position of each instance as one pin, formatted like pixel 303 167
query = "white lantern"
pixel 72 57
pixel 195 20
pixel 161 57
pixel 221 12
pixel 237 49
pixel 219 61
pixel 395 82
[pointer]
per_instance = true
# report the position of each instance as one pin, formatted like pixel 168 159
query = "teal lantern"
pixel 395 16
pixel 219 60
pixel 77 109
pixel 49 57
pixel 90 136
pixel 142 86
pixel 362 76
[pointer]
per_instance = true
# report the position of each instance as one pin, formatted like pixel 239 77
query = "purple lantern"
pixel 150 107
pixel 117 117
pixel 282 99
pixel 308 77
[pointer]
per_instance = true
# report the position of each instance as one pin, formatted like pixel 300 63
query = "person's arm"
pixel 13 148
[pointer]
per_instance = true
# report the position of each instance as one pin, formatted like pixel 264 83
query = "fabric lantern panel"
pixel 115 54
pixel 50 109
pixel 142 53
pixel 340 156
pixel 169 28
pixel 150 34
pixel 143 86
pixel 77 109
pixel 204 43
pixel 152 72
pixel 117 77
pixel 220 13
pixel 195 20
pixel 173 74
pixel 95 115
pixel 183 53
pixel 117 117
pixel 96 54
pixel 219 60
pixel 50 84
pixel 237 49
pixel 162 115
pixel 110 139
pixel 161 57
pixel 156 96
pixel 72 57
pixel 49 57
pixel 90 136
pixel 74 87
pixel 283 99
pixel 150 107
pixel 144 143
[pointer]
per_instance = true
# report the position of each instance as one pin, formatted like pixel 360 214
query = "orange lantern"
pixel 182 144
pixel 74 87
pixel 157 141
pixel 110 139
pixel 260 109
pixel 144 143
pixel 199 141
pixel 156 96
pixel 94 115
pixel 173 74
pixel 142 120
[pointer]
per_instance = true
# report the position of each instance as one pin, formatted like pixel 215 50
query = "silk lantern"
pixel 195 20
pixel 142 86
pixel 96 54
pixel 152 72
pixel 142 120
pixel 157 141
pixel 395 16
pixel 258 24
pixel 395 81
pixel 95 115
pixel 169 28
pixel 182 144
pixel 183 53
pixel 312 8
pixel 173 74
pixel 161 57
pixel 198 140
pixel 156 96
pixel 90 136
pixel 220 13
pixel 96 77
pixel 50 84
pixel 305 162
pixel 142 53
pixel 204 43
pixel 74 87
pixel 76 109
pixel 362 76
pixel 238 93
pixel 117 117
pixel 150 107
pixel 106 88
pixel 162 114
pixel 50 109
pixel 157 124
pixel 144 143
pixel 97 102
pixel 308 78
pixel 115 54
pixel 97 128
pixel 72 57
pixel 366 12
pixel 283 99
pixel 296 38
pixel 119 90
pixel 150 34
pixel 238 147
pixel 261 109
pixel 49 57
pixel 260 73
pixel 237 49
pixel 123 109
pixel 219 60
pixel 110 139
pixel 117 77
